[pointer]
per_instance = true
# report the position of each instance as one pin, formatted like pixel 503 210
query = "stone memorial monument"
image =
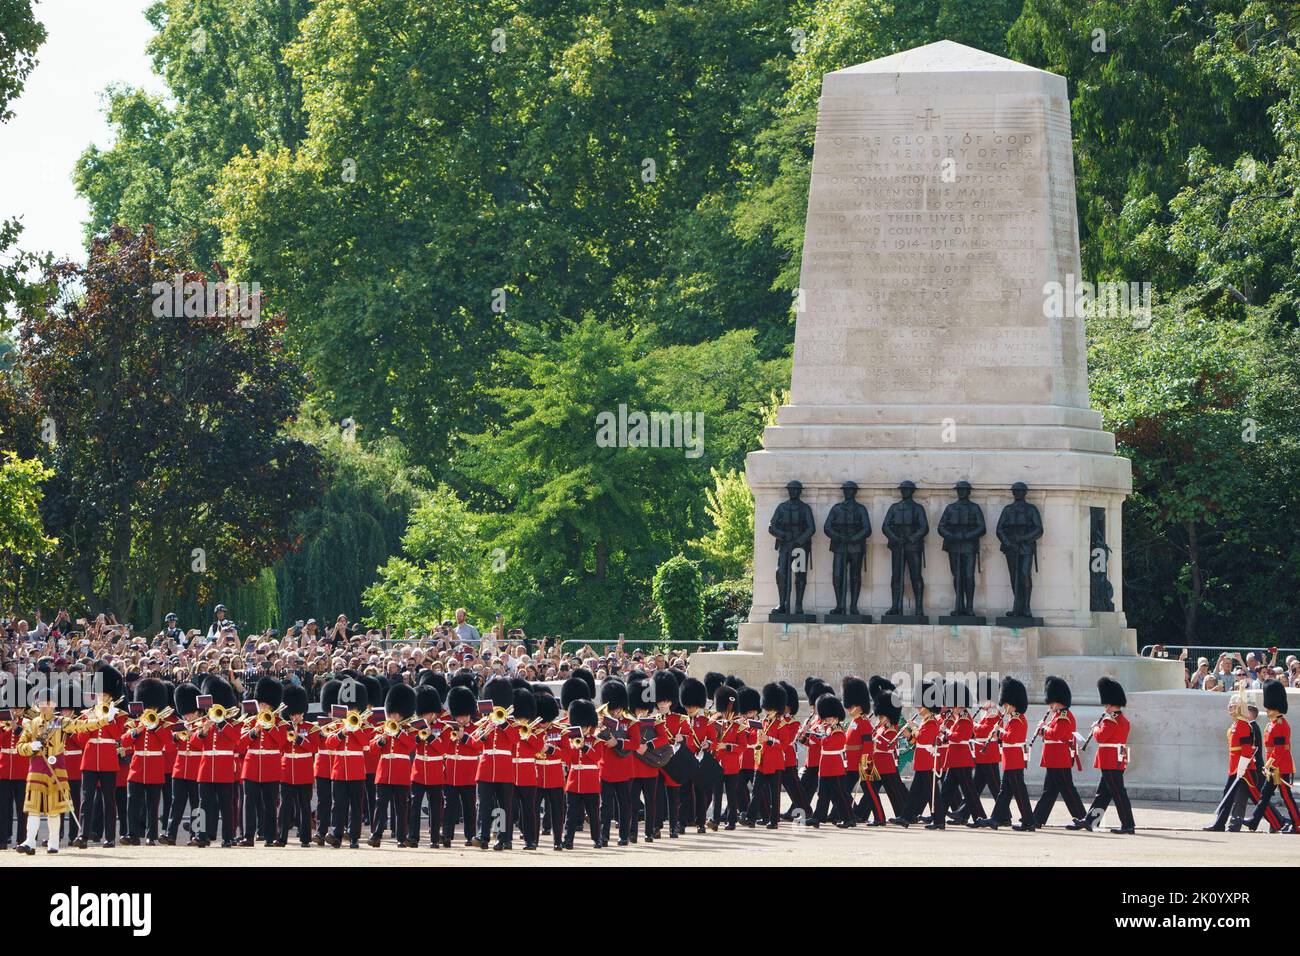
pixel 940 214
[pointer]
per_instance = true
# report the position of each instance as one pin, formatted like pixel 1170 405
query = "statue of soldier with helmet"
pixel 793 527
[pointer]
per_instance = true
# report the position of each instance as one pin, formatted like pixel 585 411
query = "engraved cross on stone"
pixel 929 116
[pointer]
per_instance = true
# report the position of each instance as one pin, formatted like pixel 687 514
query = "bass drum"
pixel 682 766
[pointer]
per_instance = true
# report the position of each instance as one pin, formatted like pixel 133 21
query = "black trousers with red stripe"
pixel 1265 802
pixel 1111 788
pixel 869 806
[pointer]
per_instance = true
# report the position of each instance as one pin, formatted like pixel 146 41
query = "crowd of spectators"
pixel 1232 671
pixel 306 653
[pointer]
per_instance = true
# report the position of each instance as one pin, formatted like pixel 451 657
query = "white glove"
pixel 36 746
pixel 112 712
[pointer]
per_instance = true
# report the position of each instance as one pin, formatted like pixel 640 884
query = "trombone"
pixel 263 719
pixel 100 711
pixel 349 723
pixel 151 719
pixel 499 716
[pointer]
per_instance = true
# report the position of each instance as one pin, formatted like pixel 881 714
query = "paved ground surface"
pixel 1168 835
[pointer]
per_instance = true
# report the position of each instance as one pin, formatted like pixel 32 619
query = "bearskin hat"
pixel 809 686
pixel 464 678
pixel 733 681
pixel 462 702
pixel 525 704
pixel 828 705
pixel 694 693
pixel 294 699
pixel 186 698
pixel 586 676
pixel 640 695
pixel 575 688
pixel 791 697
pixel 548 708
pixel 520 683
pixel 110 681
pixel 1111 692
pixel 884 705
pixel 724 699
pixel 957 694
pixel 1274 696
pixel 152 693
pixel 665 684
pixel 1056 691
pixel 268 691
pixel 876 683
pixel 499 691
pixel 773 697
pixel 857 694
pixel 931 696
pixel 1013 692
pixel 375 689
pixel 986 688
pixel 221 692
pixel 329 694
pixel 436 680
pixel 427 699
pixel 613 694
pixel 354 694
pixel 748 700
pixel 399 702
pixel 582 713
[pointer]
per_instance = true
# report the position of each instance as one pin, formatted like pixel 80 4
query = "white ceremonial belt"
pixel 525 760
pixel 296 756
pixel 832 753
pixel 428 758
pixel 9 750
pixel 66 753
pixel 102 740
pixel 463 756
pixel 144 753
pixel 218 753
pixel 585 766
pixel 982 741
pixel 394 756
pixel 928 748
pixel 328 753
pixel 263 753
pixel 498 753
pixel 547 763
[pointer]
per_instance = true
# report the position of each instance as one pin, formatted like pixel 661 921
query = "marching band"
pixel 659 754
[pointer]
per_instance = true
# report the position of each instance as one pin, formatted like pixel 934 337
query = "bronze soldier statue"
pixel 961 527
pixel 793 526
pixel 848 525
pixel 1019 528
pixel 905 527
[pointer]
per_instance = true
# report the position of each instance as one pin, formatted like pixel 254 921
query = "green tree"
pixel 728 547
pixel 679 600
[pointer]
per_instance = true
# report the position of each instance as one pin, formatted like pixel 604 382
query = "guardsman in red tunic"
pixel 495 776
pixel 1013 734
pixel 667 691
pixel 645 734
pixel 859 749
pixel 395 744
pixel 885 741
pixel 323 762
pixel 185 765
pixel 700 736
pixel 149 742
pixel 748 704
pixel 1060 754
pixel 550 764
pixel 263 744
pixel 831 771
pixel 732 737
pixel 301 741
pixel 988 753
pixel 960 757
pixel 100 763
pixel 429 766
pixel 813 688
pixel 1110 734
pixel 462 764
pixel 1279 765
pixel 926 740
pixel 615 763
pixel 10 789
pixel 72 762
pixel 788 730
pixel 769 744
pixel 348 740
pixel 582 750
pixel 527 750
pixel 219 742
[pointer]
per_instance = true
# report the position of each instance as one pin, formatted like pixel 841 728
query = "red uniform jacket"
pixel 462 758
pixel 371 754
pixel 1277 745
pixel 787 731
pixel 323 764
pixel 220 752
pixel 74 746
pixel 732 740
pixel 1241 746
pixel 747 761
pixel 526 759
pixel 813 756
pixel 550 761
pixel 185 765
pixel 395 758
pixel 1058 741
pixel 150 755
pixel 263 754
pixel 100 750
pixel 616 762
pixel 496 762
pixel 675 724
pixel 1014 734
pixel 700 733
pixel 959 752
pixel 298 754
pixel 927 745
pixel 987 749
pixel 584 764
pixel 349 760
pixel 772 738
pixel 8 749
pixel 658 738
pixel 885 741
pixel 430 762
pixel 831 753
pixel 1110 735
pixel 856 732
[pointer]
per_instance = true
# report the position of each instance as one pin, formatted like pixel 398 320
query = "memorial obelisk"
pixel 929 349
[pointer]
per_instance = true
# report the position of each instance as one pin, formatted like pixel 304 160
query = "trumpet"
pixel 263 719
pixel 526 728
pixel 349 723
pixel 392 726
pixel 499 716
pixel 218 714
pixel 152 719
pixel 100 711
